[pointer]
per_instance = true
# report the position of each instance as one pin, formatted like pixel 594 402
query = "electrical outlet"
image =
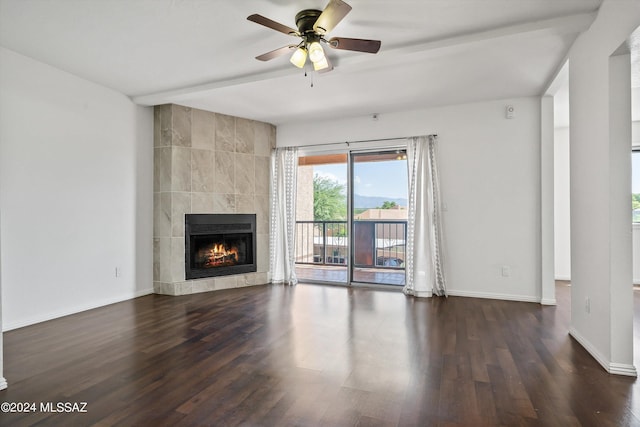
pixel 506 271
pixel 117 271
pixel 587 305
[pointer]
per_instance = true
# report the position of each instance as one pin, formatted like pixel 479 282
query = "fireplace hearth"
pixel 219 244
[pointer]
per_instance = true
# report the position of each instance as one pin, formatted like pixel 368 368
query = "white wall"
pixel 76 193
pixel 600 141
pixel 546 248
pixel 562 211
pixel 635 141
pixel 3 381
pixel 490 173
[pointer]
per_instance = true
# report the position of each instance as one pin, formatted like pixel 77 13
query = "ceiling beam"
pixel 417 50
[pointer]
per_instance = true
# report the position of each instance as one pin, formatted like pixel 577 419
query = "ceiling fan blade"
pixel 360 45
pixel 275 53
pixel 259 19
pixel 331 16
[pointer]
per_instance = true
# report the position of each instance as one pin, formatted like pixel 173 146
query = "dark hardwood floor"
pixel 314 355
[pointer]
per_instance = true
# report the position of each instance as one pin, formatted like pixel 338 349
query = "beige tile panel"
pixel 164 259
pixel 224 174
pixel 262 211
pixel 202 170
pixel 245 135
pixel 180 169
pixel 177 259
pixel 262 249
pixel 165 125
pixel 224 203
pixel 156 259
pixel 272 137
pixel 157 127
pixel 226 282
pixel 262 174
pixel 181 126
pixel 202 203
pixel 180 205
pixel 162 169
pixel 262 134
pixel 244 280
pixel 162 214
pixel 244 204
pixel 203 285
pixel 203 129
pixel 185 288
pixel 262 278
pixel 245 174
pixel 163 288
pixel 225 133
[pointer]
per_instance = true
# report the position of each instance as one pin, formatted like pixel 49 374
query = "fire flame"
pixel 219 255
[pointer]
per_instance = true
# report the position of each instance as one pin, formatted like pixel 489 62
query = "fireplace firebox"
pixel 219 244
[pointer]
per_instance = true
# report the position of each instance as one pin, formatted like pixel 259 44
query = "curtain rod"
pixel 357 142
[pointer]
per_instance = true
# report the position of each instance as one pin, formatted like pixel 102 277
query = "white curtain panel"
pixel 424 266
pixel 284 167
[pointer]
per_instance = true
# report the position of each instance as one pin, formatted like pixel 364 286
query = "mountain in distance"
pixel 364 202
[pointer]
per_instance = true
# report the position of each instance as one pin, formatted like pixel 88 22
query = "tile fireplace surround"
pixel 207 163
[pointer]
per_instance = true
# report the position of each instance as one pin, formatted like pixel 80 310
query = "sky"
pixel 383 179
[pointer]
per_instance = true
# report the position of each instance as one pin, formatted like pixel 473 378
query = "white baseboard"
pixel 68 311
pixel 622 369
pixel 610 367
pixel 486 295
pixel 3 383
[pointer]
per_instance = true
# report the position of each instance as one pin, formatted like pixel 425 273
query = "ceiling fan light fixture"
pixel 312 27
pixel 299 57
pixel 321 65
pixel 316 53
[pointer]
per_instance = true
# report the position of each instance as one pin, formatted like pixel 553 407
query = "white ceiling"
pixel 200 53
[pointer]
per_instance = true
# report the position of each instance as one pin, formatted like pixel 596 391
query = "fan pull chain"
pixel 310 76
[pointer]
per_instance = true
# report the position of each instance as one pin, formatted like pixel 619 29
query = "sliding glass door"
pixel 351 218
pixel 379 217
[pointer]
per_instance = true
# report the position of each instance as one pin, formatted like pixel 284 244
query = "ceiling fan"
pixel 313 25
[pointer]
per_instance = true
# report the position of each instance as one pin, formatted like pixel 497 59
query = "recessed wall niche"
pixel 207 163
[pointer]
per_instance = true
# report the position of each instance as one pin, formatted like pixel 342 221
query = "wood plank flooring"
pixel 314 355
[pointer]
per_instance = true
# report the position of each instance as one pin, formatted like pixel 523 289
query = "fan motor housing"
pixel 305 20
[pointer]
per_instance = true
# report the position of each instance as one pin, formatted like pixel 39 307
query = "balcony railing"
pixel 321 242
pixel 379 244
